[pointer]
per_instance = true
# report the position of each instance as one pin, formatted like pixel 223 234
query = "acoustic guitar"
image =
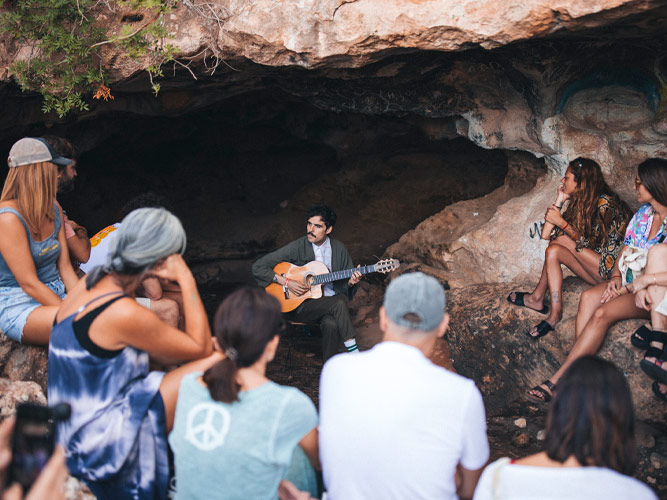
pixel 315 274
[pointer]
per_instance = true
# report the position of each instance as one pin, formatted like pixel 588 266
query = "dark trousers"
pixel 333 317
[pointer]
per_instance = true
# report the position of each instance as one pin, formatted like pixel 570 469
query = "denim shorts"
pixel 16 306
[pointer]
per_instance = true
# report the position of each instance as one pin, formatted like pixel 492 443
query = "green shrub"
pixel 64 39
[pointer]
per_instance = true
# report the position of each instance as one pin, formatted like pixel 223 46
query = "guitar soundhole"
pixel 309 280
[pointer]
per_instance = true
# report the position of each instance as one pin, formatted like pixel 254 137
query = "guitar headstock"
pixel 386 265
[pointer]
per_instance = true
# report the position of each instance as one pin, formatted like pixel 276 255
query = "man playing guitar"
pixel 330 311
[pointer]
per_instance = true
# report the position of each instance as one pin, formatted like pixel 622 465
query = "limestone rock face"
pixel 487 240
pixel 23 362
pixel 13 392
pixel 313 32
pixel 488 342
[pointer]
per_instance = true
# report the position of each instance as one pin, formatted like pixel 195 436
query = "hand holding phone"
pixel 33 444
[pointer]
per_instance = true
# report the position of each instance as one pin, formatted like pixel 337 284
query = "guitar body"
pixel 289 301
pixel 313 275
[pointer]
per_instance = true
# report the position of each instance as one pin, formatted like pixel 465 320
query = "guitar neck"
pixel 320 279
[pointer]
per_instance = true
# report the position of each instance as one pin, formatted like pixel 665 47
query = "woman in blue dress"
pixel 35 269
pixel 99 352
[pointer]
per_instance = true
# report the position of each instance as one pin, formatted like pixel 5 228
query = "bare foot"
pixel 543 392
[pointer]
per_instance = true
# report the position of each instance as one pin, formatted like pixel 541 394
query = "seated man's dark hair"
pixel 63 147
pixel 592 417
pixel 327 214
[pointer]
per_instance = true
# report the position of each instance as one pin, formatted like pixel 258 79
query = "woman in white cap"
pixel 35 269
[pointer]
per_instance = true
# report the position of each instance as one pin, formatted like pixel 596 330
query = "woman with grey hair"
pixel 101 340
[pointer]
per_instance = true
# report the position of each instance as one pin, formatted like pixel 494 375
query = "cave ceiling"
pixel 591 83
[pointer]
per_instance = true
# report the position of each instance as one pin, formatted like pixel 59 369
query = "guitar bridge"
pixel 286 292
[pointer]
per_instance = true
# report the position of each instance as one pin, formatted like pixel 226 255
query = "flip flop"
pixel 542 329
pixel 655 387
pixel 641 338
pixel 518 301
pixel 546 395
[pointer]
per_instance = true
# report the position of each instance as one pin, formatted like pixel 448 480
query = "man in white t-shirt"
pixel 393 425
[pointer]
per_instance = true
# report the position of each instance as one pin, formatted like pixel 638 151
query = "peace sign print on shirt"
pixel 207 426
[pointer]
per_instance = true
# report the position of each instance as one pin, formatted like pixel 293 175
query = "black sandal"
pixel 655 387
pixel 641 338
pixel 518 301
pixel 545 395
pixel 655 369
pixel 542 329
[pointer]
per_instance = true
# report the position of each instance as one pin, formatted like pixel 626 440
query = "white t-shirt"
pixel 99 247
pixel 394 426
pixel 526 482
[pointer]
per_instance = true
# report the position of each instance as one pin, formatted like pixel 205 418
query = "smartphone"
pixel 33 440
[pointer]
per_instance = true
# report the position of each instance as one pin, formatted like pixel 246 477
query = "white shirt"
pixel 394 426
pixel 527 482
pixel 323 255
pixel 99 247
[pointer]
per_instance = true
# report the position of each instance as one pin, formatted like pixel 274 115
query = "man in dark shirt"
pixel 330 311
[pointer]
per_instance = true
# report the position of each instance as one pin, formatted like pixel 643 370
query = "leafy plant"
pixel 64 40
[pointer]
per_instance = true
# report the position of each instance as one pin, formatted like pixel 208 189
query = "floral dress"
pixel 615 219
pixel 640 226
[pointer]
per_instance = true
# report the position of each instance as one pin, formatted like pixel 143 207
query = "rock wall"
pixel 488 342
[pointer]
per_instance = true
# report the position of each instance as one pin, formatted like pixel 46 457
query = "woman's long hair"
pixel 33 187
pixel 582 212
pixel 653 174
pixel 592 417
pixel 145 236
pixel 245 323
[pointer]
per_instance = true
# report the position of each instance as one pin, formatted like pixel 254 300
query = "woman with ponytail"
pixel 116 438
pixel 236 433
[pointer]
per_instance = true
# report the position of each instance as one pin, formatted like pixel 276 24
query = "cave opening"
pixel 240 174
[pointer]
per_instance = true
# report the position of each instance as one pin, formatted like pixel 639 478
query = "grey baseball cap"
pixel 416 301
pixel 34 150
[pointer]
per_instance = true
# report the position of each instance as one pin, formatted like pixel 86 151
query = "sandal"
pixel 655 369
pixel 518 301
pixel 655 387
pixel 542 329
pixel 544 395
pixel 642 337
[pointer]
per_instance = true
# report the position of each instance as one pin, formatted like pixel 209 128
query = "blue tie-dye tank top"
pixel 115 439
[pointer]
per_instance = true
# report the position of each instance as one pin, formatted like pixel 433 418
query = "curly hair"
pixel 582 212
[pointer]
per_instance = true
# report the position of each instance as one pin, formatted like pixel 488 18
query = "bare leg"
pixel 584 264
pixel 589 302
pixel 657 263
pixel 37 329
pixel 172 381
pixel 167 310
pixel 595 331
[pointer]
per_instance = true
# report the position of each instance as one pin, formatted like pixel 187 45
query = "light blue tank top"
pixel 44 253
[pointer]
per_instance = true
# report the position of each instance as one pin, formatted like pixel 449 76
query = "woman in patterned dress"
pixel 611 301
pixel 99 352
pixel 586 238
